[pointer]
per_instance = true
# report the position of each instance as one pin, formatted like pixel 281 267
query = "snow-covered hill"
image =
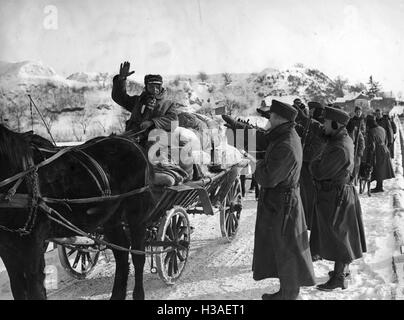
pixel 308 84
pixel 241 93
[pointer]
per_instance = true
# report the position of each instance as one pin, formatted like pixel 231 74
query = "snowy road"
pixel 220 270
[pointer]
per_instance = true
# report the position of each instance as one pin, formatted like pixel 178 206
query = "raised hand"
pixel 124 70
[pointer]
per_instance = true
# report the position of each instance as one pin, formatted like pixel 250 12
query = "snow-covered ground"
pixel 220 270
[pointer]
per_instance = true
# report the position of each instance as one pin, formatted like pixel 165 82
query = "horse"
pixel 122 220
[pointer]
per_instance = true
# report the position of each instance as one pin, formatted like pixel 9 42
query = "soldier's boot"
pixel 337 281
pixel 272 296
pixel 316 257
pixel 290 294
pixel 379 187
pixel 337 277
pixel 282 294
pixel 346 274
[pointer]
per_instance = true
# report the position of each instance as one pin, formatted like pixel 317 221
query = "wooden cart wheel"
pixel 78 261
pixel 174 226
pixel 230 211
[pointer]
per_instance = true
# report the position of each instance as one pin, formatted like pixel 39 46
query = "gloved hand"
pixel 146 124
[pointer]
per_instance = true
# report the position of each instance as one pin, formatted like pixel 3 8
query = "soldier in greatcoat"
pixel 357 135
pixel 385 123
pixel 337 232
pixel 378 154
pixel 311 132
pixel 281 247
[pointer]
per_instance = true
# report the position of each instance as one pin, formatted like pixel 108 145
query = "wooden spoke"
pixel 175 262
pixel 77 261
pixel 89 258
pixel 71 252
pixel 230 212
pixel 174 226
pixel 180 256
pixel 83 262
pixel 170 266
pixel 167 258
pixel 170 232
pixel 182 232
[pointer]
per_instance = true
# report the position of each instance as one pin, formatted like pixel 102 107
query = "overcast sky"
pixel 351 38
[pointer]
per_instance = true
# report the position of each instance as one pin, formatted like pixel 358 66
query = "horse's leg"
pixel 35 260
pixel 35 275
pixel 117 236
pixel 138 237
pixel 17 278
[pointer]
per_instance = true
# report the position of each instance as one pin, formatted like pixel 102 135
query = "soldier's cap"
pixel 284 110
pixel 337 115
pixel 153 78
pixel 314 104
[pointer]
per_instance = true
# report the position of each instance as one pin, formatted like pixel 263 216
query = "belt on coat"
pixel 283 189
pixel 328 185
pixel 287 192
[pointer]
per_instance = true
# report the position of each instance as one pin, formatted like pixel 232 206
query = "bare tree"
pixel 81 122
pixel 50 117
pixel 357 88
pixel 17 114
pixel 338 85
pixel 227 78
pixel 102 124
pixel 203 76
pixel 122 118
pixel 102 78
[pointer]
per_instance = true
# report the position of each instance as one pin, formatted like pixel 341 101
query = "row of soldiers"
pixel 307 182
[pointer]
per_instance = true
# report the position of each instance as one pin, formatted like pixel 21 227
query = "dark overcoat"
pixel 313 147
pixel 161 112
pixel 337 232
pixel 388 130
pixel 378 154
pixel 281 247
pixel 359 148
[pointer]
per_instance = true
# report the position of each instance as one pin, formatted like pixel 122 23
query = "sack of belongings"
pixel 227 155
pixel 200 124
pixel 184 142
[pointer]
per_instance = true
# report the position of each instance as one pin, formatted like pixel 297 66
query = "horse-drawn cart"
pixel 167 229
pixel 169 226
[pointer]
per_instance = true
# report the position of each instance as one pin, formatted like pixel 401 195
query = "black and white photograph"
pixel 200 150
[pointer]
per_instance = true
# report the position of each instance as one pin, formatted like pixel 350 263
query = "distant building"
pixel 385 102
pixel 349 102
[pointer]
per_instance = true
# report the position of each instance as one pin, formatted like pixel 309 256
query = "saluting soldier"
pixel 337 232
pixel 151 109
pixel 281 248
pixel 313 142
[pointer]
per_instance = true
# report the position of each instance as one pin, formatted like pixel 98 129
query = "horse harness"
pixel 34 200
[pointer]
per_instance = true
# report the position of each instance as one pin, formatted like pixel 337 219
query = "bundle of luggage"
pixel 193 144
